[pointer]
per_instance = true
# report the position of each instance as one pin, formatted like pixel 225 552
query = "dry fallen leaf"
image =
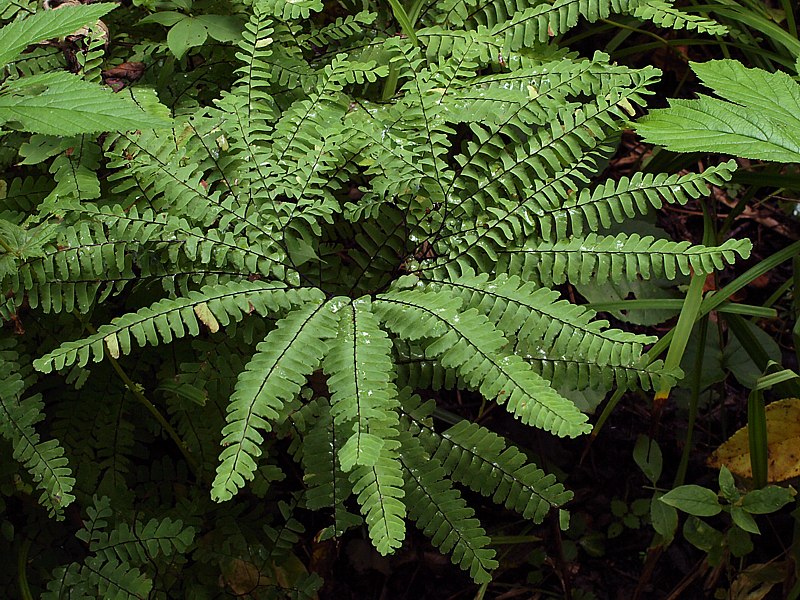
pixel 756 581
pixel 783 444
pixel 243 577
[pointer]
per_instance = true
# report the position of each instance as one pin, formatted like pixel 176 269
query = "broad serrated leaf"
pixel 756 117
pixel 63 104
pixel 16 36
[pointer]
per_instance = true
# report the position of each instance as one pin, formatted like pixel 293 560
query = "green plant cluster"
pixel 228 290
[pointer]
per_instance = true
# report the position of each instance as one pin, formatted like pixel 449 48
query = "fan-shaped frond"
pixel 391 212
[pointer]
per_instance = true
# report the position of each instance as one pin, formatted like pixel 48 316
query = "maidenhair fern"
pixel 356 218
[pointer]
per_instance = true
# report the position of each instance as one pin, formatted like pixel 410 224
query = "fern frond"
pixel 75 173
pixel 473 346
pixel 554 332
pixel 91 54
pixel 208 246
pixel 171 182
pixel 484 462
pixel 327 486
pixel 664 14
pixel 340 29
pixel 307 122
pixel 614 258
pixel 363 399
pixel 442 514
pixel 417 372
pixel 175 318
pixel 290 11
pixel 113 568
pixel 528 97
pixel 44 460
pixel 615 201
pixel 273 377
pixel 35 60
pixel 144 542
pixel 97 578
pixel 489 170
pixel 541 22
pixel 379 492
pixel 16 9
pixel 283 540
pixel 255 74
pixel 82 267
pixel 23 194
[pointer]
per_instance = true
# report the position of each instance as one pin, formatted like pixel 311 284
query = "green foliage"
pixel 755 116
pixel 699 501
pixel 45 460
pixel 284 256
pixel 56 103
pixel 123 560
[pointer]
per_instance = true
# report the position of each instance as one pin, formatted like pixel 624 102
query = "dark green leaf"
pixel 767 500
pixel 187 33
pixel 693 499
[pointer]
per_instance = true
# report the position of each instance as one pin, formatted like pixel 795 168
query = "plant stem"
pixel 165 425
pixel 6 247
pixel 694 401
pixel 139 395
pixel 405 22
pixel 682 331
pixel 22 571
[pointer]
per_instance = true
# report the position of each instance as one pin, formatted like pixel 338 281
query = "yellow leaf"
pixel 783 444
pixel 206 317
pixel 112 343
